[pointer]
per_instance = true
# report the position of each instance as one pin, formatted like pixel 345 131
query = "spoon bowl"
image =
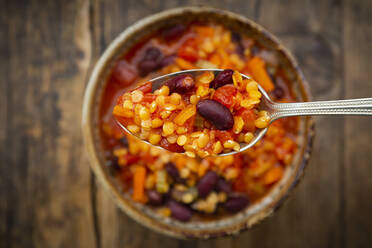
pixel 159 81
pixel 362 106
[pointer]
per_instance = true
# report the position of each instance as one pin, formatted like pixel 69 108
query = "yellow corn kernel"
pixel 202 153
pixel 144 113
pixel 185 172
pixel 163 91
pixel 238 124
pixel 263 113
pixel 137 96
pixel 137 120
pixel 169 107
pixel 184 64
pixel 185 114
pixel 217 147
pixel 237 78
pixel 120 152
pixel 235 59
pixel 120 111
pixel 155 123
pixel 205 78
pixel 203 140
pixel 190 154
pixel 251 85
pixel 207 46
pixel 146 124
pixel 230 144
pixel 144 134
pixel 231 173
pixel 196 134
pixel 172 139
pixel 165 114
pixel 160 100
pixel 137 108
pixel 261 122
pixel 181 130
pixel 181 140
pixel 153 107
pixel 175 98
pixel 150 181
pixel 247 103
pixel 194 99
pixel 168 128
pixel 248 137
pixel 202 91
pixel 255 94
pixel 133 128
pixel 166 212
pixel 128 104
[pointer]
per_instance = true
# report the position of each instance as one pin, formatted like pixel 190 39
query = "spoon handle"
pixel 362 106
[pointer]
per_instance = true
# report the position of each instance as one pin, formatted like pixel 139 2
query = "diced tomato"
pixel 223 135
pixel 171 147
pixel 248 117
pixel 188 50
pixel 149 98
pixel 145 88
pixel 131 159
pixel 225 95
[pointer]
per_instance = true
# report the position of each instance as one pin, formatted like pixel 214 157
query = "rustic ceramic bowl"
pixel 143 214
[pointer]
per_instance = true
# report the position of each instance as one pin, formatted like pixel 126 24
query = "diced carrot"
pixel 273 175
pixel 225 95
pixel 204 30
pixel 188 50
pixel 139 184
pixel 248 117
pixel 185 114
pixel 145 88
pixel 256 68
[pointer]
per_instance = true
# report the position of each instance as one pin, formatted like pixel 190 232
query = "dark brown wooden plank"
pixel 45 51
pixel 311 218
pixel 358 145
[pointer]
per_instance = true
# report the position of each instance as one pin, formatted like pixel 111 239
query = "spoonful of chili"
pixel 206 112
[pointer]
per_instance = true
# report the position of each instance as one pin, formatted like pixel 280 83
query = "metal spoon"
pixel 362 106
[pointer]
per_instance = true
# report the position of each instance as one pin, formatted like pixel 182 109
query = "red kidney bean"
pixel 237 38
pixel 222 78
pixel 173 172
pixel 206 183
pixel 150 61
pixel 173 32
pixel 124 73
pixel 179 211
pixel 167 60
pixel 223 185
pixel 216 113
pixel 171 147
pixel 236 203
pixel 255 50
pixel 124 141
pixel 180 84
pixel 152 53
pixel 155 198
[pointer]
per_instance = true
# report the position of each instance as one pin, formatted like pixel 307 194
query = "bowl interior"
pixel 145 215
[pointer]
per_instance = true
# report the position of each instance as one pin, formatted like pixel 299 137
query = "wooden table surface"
pixel 48 195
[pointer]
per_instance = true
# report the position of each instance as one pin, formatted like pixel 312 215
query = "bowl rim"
pixel 88 126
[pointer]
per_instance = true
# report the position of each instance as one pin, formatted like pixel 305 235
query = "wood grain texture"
pixel 358 155
pixel 45 51
pixel 312 30
pixel 50 199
